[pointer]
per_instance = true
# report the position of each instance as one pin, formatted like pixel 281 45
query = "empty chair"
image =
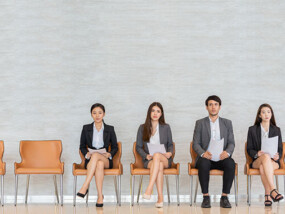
pixel 40 157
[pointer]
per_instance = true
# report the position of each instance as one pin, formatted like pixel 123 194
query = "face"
pixel 97 114
pixel 213 107
pixel 155 113
pixel 265 114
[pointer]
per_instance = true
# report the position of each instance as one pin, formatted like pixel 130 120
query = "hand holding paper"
pixel 100 151
pixel 216 148
pixel 270 146
pixel 156 148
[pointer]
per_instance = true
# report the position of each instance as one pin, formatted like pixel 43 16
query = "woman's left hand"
pixel 276 156
pixel 167 155
pixel 107 154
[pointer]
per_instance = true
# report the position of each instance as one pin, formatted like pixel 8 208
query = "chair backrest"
pixel 1 151
pixel 282 161
pixel 193 155
pixel 116 158
pixel 138 159
pixel 41 154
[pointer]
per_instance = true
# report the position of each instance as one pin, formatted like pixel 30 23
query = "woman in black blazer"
pixel 97 135
pixel 264 127
pixel 155 131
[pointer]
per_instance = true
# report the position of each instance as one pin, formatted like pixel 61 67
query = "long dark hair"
pixel 258 120
pixel 147 125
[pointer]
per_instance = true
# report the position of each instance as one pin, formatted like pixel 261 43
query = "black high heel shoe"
pixel 100 205
pixel 82 195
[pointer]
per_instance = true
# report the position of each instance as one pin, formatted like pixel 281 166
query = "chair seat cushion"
pixel 252 171
pixel 21 170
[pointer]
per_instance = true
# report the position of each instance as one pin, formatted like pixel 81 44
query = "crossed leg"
pixel 95 166
pixel 156 166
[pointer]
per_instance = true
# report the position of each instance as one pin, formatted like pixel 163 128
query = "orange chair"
pixel 137 168
pixel 40 157
pixel 249 172
pixel 2 171
pixel 116 171
pixel 193 171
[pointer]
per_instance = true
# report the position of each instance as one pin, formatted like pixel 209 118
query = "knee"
pixel 156 157
pixel 266 158
pixel 204 164
pixel 229 163
pixel 94 157
pixel 100 165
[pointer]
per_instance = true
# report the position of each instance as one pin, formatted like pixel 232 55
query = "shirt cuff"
pixel 86 157
pixel 229 154
pixel 202 154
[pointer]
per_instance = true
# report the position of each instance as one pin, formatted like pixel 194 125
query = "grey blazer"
pixel 202 135
pixel 165 138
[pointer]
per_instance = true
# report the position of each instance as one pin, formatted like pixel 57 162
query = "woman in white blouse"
pixel 264 128
pixel 155 131
pixel 97 136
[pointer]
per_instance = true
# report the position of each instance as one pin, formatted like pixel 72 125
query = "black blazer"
pixel 109 138
pixel 254 139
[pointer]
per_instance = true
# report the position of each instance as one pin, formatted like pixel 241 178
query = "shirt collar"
pixel 217 120
pixel 102 127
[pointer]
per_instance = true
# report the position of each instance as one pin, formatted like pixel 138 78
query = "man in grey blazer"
pixel 207 130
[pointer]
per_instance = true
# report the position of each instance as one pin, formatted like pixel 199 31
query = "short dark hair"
pixel 97 105
pixel 215 98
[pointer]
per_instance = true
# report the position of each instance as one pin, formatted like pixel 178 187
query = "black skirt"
pixel 110 163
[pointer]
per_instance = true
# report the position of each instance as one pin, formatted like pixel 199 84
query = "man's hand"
pixel 224 155
pixel 207 155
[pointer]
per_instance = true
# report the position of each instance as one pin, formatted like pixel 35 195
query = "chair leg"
pixel 27 188
pixel 249 195
pixel 196 189
pixel 133 190
pixel 116 188
pixel 236 194
pixel 191 188
pixel 61 189
pixel 139 189
pixel 247 198
pixel 177 190
pixel 277 183
pixel 74 190
pixel 119 181
pixel 284 183
pixel 16 189
pixel 87 196
pixel 167 188
pixel 55 188
pixel 2 190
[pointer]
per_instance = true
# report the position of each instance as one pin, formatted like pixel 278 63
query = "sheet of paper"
pixel 216 148
pixel 101 151
pixel 156 148
pixel 270 146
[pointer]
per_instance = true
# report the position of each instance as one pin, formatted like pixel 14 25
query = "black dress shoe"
pixel 206 202
pixel 100 205
pixel 224 202
pixel 82 195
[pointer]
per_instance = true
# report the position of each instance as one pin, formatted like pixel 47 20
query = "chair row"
pixel 43 157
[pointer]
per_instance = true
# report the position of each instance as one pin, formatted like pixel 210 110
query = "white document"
pixel 156 148
pixel 270 146
pixel 101 151
pixel 216 147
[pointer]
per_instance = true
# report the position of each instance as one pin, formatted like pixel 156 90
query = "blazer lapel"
pixel 160 133
pixel 223 129
pixel 271 131
pixel 90 131
pixel 105 133
pixel 207 122
pixel 258 133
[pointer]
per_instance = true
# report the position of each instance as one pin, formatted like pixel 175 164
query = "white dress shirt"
pixel 155 138
pixel 264 134
pixel 97 141
pixel 215 130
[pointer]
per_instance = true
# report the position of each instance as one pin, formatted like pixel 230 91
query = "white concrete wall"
pixel 60 57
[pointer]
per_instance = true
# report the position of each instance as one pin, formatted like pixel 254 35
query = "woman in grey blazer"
pixel 155 131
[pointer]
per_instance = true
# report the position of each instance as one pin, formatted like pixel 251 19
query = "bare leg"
pixel 91 168
pixel 99 178
pixel 157 158
pixel 159 183
pixel 267 166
